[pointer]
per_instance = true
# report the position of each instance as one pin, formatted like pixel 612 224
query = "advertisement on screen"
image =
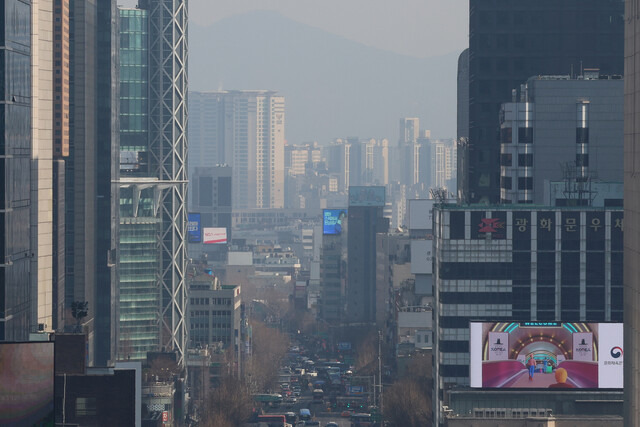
pixel 546 355
pixel 332 220
pixel 26 384
pixel 214 236
pixel 193 228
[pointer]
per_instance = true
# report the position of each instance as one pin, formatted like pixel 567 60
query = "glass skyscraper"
pixel 139 291
pixel 153 179
pixel 15 171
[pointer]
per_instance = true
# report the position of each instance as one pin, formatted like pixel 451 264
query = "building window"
pixel 506 160
pixel 85 406
pixel 525 159
pixel 525 183
pixel 505 182
pixel 525 135
pixel 582 135
pixel 505 136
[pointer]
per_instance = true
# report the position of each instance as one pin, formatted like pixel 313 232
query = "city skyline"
pixel 339 206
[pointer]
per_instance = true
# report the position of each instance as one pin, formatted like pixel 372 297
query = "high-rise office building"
pixel 91 174
pixel 42 226
pixel 512 41
pixel 365 219
pixel 16 292
pixel 61 132
pixel 168 87
pixel 561 129
pixel 632 215
pixel 462 121
pixel 409 130
pixel 211 198
pixel 244 130
pixel 444 164
pixel 408 151
pixel 513 264
pixel 338 155
pixel 139 191
pixel 333 265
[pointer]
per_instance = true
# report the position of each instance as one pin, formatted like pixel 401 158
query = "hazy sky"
pixel 414 27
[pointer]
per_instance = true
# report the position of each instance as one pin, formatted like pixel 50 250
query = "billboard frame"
pixel 475 361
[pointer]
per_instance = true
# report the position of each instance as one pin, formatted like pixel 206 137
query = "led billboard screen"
pixel 214 236
pixel 546 355
pixel 26 384
pixel 332 220
pixel 193 228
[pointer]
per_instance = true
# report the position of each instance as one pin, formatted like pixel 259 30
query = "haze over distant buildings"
pixel 333 86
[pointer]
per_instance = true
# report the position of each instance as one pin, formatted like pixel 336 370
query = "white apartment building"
pixel 245 130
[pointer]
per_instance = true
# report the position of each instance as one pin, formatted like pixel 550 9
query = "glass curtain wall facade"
pixel 15 170
pixel 510 41
pixel 139 305
pixel 139 267
pixel 168 151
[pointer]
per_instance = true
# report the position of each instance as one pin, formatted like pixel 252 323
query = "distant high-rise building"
pixel 409 130
pixel 338 155
pixel 211 197
pixel 463 121
pixel 408 152
pixel 381 163
pixel 512 41
pixel 91 173
pixel 365 219
pixel 561 128
pixel 333 271
pixel 444 164
pixel 245 130
pixel 632 214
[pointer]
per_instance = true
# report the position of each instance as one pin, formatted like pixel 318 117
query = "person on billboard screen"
pixel 561 378
pixel 532 367
pixel 338 227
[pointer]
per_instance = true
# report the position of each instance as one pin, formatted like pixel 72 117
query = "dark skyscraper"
pixel 365 220
pixel 632 219
pixel 90 172
pixel 510 41
pixel 15 170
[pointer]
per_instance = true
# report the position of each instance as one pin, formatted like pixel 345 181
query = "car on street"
pixel 331 424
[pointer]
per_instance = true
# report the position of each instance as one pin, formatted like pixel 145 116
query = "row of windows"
pixel 524 160
pixel 213 301
pixel 524 183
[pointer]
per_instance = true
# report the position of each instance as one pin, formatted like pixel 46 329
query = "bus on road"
pixel 273 421
pixel 273 400
pixel 361 420
pixel 318 395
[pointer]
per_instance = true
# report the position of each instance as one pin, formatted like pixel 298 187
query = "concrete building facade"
pixel 519 263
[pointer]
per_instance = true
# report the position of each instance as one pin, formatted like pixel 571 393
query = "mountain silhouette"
pixel 333 87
